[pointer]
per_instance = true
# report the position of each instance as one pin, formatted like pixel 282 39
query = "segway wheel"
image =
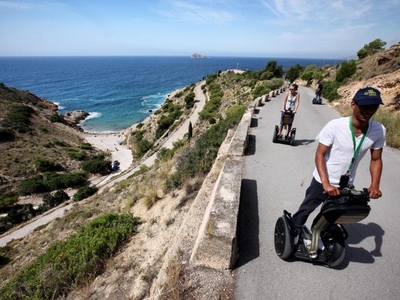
pixel 275 136
pixel 338 253
pixel 335 246
pixel 283 239
pixel 313 101
pixel 292 136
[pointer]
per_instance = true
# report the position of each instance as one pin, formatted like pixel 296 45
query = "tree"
pixel 371 48
pixel 347 69
pixel 190 129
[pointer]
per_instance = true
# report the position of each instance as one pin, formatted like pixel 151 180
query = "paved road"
pixel 110 180
pixel 275 178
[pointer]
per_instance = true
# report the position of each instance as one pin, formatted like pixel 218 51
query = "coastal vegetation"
pixel 42 153
pixel 94 236
pixel 67 263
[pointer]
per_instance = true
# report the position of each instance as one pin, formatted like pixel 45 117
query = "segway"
pixel 317 99
pixel 325 243
pixel 287 137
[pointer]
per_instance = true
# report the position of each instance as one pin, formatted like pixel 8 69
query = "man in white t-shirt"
pixel 342 144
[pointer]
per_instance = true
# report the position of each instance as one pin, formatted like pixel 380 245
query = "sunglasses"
pixel 291 89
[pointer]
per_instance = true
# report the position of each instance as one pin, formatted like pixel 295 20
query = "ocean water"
pixel 120 91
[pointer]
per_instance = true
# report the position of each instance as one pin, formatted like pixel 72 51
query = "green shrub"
pixel 7 200
pixel 142 147
pixel 56 119
pixel 294 72
pixel 78 155
pixel 18 118
pixel 68 263
pixel 55 181
pixel 50 201
pixel 189 100
pixel 86 146
pixel 260 90
pixel 345 71
pixel 97 165
pixel 84 192
pixel 46 165
pixel 32 185
pixel 200 158
pixel 330 90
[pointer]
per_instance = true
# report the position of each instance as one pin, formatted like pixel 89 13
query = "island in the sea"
pixel 196 55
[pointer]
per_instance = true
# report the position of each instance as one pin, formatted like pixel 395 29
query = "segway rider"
pixel 318 92
pixel 342 144
pixel 291 103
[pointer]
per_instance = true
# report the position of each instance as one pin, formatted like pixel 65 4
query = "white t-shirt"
pixel 291 101
pixel 337 135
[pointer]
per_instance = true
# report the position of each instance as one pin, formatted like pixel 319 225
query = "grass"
pixel 70 262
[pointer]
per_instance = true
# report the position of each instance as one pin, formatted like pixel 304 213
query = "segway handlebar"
pixel 350 193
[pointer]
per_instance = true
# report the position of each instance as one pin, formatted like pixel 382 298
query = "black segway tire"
pixel 338 253
pixel 314 101
pixel 283 238
pixel 275 136
pixel 292 136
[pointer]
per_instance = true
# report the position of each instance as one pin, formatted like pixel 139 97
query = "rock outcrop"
pixel 76 116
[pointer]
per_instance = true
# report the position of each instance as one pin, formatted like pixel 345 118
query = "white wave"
pixel 59 106
pixel 93 115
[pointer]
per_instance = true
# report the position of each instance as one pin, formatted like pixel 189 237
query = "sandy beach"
pixel 111 142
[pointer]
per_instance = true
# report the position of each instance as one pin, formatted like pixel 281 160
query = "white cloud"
pixel 29 6
pixel 194 13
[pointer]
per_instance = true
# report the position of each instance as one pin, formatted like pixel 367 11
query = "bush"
pixel 56 181
pixel 86 146
pixel 189 100
pixel 142 147
pixel 50 201
pixel 8 200
pixel 84 192
pixel 46 165
pixel 18 118
pixel 330 90
pixel 74 154
pixel 345 71
pixel 68 263
pixel 31 186
pixel 97 165
pixel 201 157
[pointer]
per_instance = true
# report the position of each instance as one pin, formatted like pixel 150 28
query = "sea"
pixel 119 91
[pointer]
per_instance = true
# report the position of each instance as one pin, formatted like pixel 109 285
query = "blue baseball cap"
pixel 368 96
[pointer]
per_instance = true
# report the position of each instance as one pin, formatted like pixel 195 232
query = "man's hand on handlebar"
pixel 331 190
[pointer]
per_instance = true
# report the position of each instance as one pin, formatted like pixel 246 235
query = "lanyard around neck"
pixel 356 150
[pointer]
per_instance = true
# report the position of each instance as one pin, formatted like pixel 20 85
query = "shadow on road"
pixel 251 145
pixel 364 231
pixel 303 142
pixel 248 224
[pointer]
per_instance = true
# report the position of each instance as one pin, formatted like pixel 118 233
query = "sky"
pixel 244 28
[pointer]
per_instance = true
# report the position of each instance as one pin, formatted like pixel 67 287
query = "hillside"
pixel 129 274
pixel 32 129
